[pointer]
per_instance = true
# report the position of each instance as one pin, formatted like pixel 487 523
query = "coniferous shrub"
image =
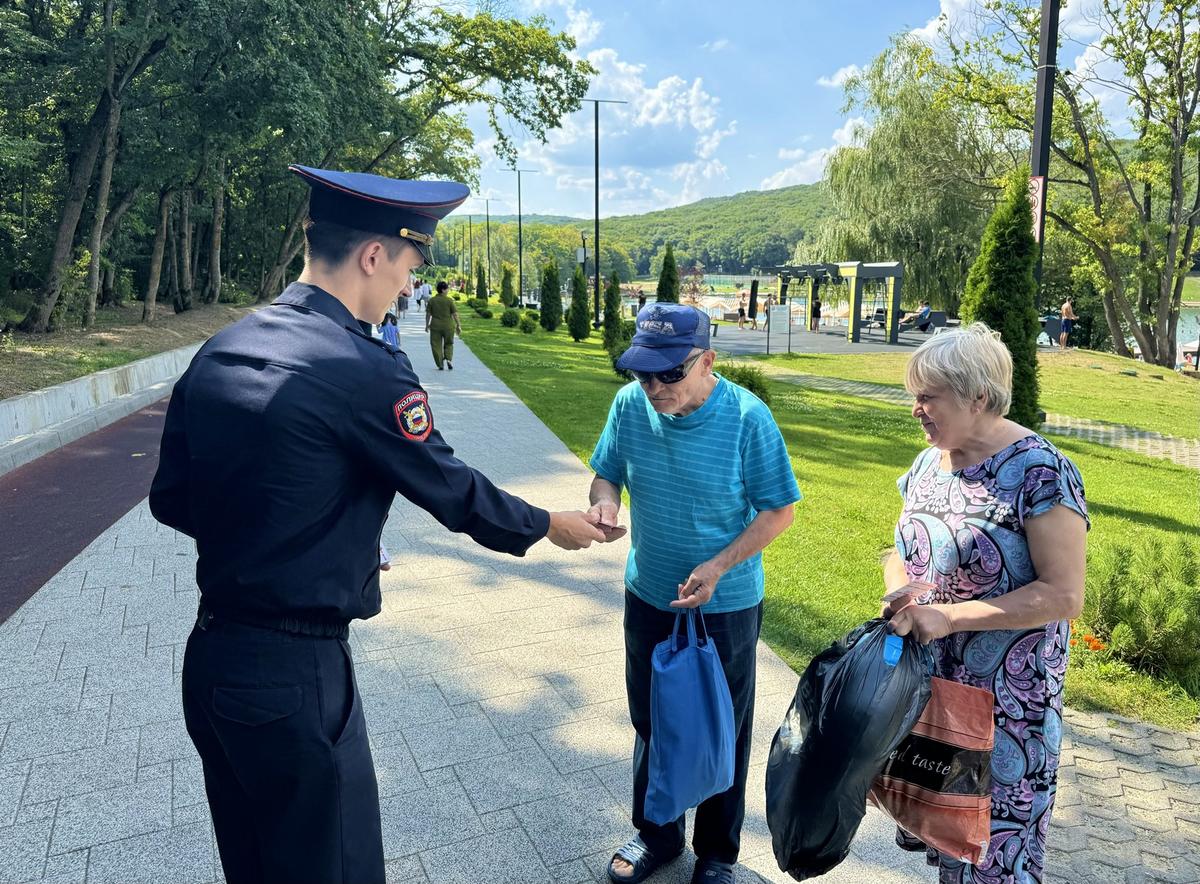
pixel 578 323
pixel 481 292
pixel 528 325
pixel 551 313
pixel 507 295
pixel 1001 292
pixel 510 317
pixel 612 312
pixel 668 278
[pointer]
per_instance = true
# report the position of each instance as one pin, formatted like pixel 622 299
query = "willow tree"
pixel 917 182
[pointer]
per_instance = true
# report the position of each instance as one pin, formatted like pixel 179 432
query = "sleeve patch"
pixel 413 417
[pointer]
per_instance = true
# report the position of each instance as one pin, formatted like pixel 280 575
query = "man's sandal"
pixel 644 863
pixel 709 871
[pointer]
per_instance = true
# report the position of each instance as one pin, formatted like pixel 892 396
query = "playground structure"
pixel 881 281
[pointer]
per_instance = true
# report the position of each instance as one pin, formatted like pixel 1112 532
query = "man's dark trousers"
pixel 279 726
pixel 719 819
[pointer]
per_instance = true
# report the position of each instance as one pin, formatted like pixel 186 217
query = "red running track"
pixel 53 507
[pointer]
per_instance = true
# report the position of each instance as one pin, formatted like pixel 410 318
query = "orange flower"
pixel 1089 638
pixel 1074 643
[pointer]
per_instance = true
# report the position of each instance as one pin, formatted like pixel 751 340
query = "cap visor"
pixel 638 358
pixel 426 252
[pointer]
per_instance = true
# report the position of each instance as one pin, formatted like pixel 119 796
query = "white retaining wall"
pixel 36 423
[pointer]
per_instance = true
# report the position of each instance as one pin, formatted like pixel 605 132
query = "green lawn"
pixel 1191 289
pixel 1077 383
pixel 823 575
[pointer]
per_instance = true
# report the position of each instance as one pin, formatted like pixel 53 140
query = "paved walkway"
pixel 494 693
pixel 1185 452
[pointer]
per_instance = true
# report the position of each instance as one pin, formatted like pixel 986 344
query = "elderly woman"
pixel 994 519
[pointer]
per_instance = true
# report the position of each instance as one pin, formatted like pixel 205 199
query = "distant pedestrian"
pixel 390 332
pixel 742 313
pixel 1068 323
pixel 814 321
pixel 641 298
pixel 402 303
pixel 441 321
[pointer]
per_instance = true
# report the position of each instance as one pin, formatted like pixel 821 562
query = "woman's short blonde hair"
pixel 971 362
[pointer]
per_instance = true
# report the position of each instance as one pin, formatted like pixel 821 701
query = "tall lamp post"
pixel 487 208
pixel 1039 155
pixel 596 102
pixel 520 242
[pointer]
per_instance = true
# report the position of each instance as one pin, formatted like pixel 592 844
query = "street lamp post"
pixel 487 208
pixel 596 102
pixel 1039 155
pixel 520 242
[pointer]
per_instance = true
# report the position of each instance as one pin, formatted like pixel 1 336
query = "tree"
pixel 668 279
pixel 1001 288
pixel 507 298
pixel 612 312
pixel 578 322
pixel 918 181
pixel 1133 203
pixel 551 312
pixel 481 292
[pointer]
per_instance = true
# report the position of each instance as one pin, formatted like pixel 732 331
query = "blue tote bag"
pixel 691 723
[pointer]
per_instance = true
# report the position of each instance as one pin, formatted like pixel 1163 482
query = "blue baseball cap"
pixel 407 209
pixel 666 334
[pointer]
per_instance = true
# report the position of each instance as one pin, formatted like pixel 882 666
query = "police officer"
pixel 276 441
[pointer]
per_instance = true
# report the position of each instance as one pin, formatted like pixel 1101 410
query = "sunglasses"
pixel 671 375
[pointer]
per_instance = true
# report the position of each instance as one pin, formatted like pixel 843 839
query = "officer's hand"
pixel 606 512
pixel 574 530
pixel 698 589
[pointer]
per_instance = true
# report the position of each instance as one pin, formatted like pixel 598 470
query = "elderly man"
pixel 710 485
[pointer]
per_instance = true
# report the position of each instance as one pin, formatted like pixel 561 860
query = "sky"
pixel 723 98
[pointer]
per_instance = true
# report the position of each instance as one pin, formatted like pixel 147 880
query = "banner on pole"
pixel 1037 201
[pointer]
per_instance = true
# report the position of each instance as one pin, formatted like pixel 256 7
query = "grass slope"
pixel 1078 383
pixel 823 575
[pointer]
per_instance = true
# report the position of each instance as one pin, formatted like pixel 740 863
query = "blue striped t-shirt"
pixel 695 482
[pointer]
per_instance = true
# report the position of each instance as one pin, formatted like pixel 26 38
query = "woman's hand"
pixel 925 623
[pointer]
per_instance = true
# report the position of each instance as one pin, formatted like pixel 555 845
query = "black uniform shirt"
pixel 285 442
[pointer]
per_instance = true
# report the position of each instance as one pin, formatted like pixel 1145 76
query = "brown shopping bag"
pixel 937 783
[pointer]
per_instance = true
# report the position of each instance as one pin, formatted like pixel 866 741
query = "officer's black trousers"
pixel 279 726
pixel 718 831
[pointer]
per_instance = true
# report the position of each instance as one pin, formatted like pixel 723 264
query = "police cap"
pixel 407 209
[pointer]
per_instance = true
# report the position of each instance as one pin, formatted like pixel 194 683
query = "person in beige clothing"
pixel 441 321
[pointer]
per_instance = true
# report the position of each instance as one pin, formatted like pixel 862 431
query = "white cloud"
pixel 581 24
pixel 840 76
pixel 808 166
pixel 950 13
pixel 715 45
pixel 659 149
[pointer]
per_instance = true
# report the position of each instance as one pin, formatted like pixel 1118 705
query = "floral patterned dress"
pixel 964 532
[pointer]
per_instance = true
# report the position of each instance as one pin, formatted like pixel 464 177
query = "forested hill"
pixel 758 228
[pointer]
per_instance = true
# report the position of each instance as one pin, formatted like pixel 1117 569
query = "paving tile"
pixel 405 870
pixel 42 810
pixel 23 850
pixel 587 743
pixel 54 734
pixel 12 786
pixel 395 769
pixel 67 868
pixel 62 695
pixel 85 770
pixel 25 672
pixel 162 702
pixel 187 782
pixel 426 819
pixel 506 857
pixel 406 708
pixel 527 711
pixel 165 741
pixel 484 680
pixel 154 671
pixel 506 780
pixel 181 855
pixel 111 815
pixel 453 742
pixel 591 684
pixel 571 826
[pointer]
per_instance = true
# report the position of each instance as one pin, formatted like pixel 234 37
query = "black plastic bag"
pixel 855 702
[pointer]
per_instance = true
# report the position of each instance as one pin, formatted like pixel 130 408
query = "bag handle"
pixel 693 640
